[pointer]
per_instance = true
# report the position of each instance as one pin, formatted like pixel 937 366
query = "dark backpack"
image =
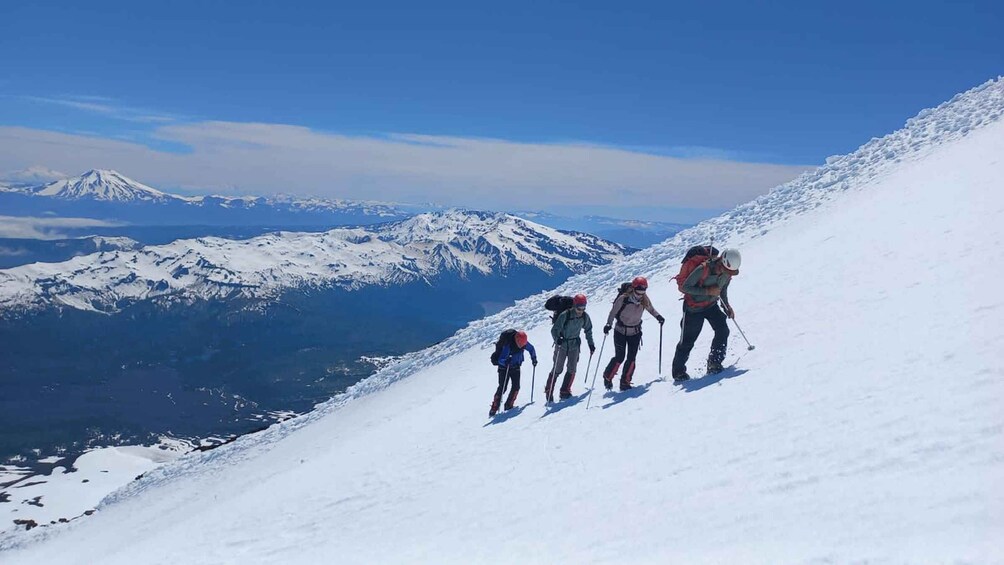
pixel 507 337
pixel 558 304
pixel 697 257
pixel 623 289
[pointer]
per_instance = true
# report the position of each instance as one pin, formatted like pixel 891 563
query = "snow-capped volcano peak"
pixel 102 184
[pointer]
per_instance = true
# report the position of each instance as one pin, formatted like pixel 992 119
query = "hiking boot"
pixel 608 384
pixel 509 407
pixel 680 376
pixel 625 385
pixel 715 367
pixel 493 411
pixel 564 394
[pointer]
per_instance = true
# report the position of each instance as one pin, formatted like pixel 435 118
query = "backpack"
pixel 697 257
pixel 558 304
pixel 507 337
pixel 623 289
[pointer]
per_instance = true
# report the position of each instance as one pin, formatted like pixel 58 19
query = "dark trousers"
pixel 625 352
pixel 513 387
pixel 690 328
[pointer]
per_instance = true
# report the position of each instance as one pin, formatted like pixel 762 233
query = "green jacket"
pixel 696 288
pixel 568 324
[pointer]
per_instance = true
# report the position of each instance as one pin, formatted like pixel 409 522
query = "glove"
pixel 534 361
pixel 606 329
pixel 729 311
pixel 592 349
pixel 661 320
pixel 560 340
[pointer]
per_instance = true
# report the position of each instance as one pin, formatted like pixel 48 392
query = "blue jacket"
pixel 510 358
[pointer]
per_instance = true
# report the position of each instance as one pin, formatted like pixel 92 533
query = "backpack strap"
pixel 617 316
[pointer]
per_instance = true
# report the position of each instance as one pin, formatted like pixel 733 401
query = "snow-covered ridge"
pixel 964 113
pixel 418 249
pixel 952 120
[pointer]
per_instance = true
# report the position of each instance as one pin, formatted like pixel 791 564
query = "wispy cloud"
pixel 405 167
pixel 106 107
pixel 25 227
pixel 33 174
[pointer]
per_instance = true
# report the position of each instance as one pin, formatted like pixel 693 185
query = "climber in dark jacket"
pixel 703 288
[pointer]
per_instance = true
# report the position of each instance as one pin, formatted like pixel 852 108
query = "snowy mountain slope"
pixel 15 252
pixel 418 249
pixel 865 427
pixel 106 185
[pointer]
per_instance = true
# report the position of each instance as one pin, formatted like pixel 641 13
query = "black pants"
pixel 625 351
pixel 513 387
pixel 690 328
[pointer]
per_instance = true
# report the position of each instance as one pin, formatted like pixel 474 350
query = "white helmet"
pixel 731 258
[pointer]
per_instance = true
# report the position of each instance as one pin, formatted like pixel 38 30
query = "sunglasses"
pixel 580 307
pixel 640 288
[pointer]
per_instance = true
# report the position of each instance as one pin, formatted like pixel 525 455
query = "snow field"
pixel 63 494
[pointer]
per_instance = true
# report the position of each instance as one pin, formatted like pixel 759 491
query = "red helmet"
pixel 579 300
pixel 640 282
pixel 521 339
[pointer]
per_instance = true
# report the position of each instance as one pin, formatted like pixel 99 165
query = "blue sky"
pixel 783 85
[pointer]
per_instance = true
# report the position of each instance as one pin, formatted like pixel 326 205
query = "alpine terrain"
pixel 214 337
pixel 864 427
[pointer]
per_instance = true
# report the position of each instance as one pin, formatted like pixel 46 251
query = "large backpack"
pixel 507 337
pixel 697 257
pixel 558 304
pixel 623 289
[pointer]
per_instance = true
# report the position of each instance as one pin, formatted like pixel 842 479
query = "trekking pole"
pixel 533 379
pixel 660 351
pixel 505 381
pixel 588 365
pixel 553 374
pixel 595 371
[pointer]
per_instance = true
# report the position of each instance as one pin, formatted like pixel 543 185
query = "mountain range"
pixel 153 216
pixel 107 194
pixel 420 249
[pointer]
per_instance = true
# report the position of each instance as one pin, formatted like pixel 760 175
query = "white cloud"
pixel 35 174
pixel 489 173
pixel 27 227
pixel 106 107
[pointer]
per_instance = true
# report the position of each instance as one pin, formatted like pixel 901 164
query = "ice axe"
pixel 750 346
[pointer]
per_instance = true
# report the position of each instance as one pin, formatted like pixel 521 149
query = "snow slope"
pixel 417 249
pixel 865 427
